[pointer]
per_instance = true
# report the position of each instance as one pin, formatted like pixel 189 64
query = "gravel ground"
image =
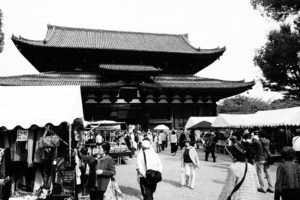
pixel 209 181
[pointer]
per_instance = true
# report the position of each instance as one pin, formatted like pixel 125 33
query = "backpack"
pixel 208 142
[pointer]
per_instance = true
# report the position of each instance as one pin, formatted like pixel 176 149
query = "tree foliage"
pixel 242 105
pixel 246 105
pixel 283 103
pixel 279 61
pixel 277 9
pixel 279 58
pixel 1 33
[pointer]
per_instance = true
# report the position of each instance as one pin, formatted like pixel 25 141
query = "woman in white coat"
pixel 189 164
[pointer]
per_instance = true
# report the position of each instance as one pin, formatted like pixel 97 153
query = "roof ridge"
pixel 116 31
pixel 20 38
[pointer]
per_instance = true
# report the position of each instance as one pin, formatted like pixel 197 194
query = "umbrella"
pixel 161 127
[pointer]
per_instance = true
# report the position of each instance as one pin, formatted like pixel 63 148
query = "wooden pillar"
pixel 172 117
pixel 70 141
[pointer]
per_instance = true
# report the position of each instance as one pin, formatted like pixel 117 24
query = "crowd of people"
pixel 246 175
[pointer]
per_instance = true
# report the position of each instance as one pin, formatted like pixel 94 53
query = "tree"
pixel 242 105
pixel 279 58
pixel 283 103
pixel 1 33
pixel 279 62
pixel 277 9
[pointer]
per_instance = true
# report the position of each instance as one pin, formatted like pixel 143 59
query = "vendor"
pixel 102 169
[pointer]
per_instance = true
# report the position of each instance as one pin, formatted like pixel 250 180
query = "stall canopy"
pixel 199 122
pixel 39 105
pixel 271 118
pixel 231 120
pixel 279 117
pixel 105 125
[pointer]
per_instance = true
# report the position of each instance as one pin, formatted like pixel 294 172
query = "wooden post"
pixel 70 141
pixel 287 137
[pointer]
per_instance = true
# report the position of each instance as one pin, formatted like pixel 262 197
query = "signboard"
pixel 22 135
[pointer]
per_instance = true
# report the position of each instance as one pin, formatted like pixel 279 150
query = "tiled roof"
pixel 45 79
pixel 93 80
pixel 66 37
pixel 129 68
pixel 194 82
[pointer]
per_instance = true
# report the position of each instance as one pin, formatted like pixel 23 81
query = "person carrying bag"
pixel 149 170
pixel 241 181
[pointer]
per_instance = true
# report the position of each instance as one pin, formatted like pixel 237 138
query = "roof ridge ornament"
pixel 49 33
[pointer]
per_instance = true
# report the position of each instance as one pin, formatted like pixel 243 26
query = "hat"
pixel 237 151
pixel 146 143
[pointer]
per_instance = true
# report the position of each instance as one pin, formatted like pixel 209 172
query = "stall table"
pixel 119 155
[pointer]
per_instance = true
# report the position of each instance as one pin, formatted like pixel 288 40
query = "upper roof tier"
pixel 158 50
pixel 66 37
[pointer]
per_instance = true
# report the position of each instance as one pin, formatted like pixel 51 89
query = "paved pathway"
pixel 209 181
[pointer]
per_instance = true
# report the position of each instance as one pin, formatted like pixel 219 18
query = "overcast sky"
pixel 209 23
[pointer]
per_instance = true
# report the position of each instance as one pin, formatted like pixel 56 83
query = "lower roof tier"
pixel 162 83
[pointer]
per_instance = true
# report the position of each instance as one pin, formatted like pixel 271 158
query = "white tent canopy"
pixel 231 120
pixel 279 117
pixel 161 127
pixel 39 105
pixel 195 120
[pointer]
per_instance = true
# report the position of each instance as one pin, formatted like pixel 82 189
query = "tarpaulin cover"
pixel 39 105
pixel 194 121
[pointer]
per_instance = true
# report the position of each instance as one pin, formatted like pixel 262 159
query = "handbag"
pixel 152 176
pixel 49 141
pixel 239 184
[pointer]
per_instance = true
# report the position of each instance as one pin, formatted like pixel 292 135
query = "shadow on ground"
pixel 171 182
pixel 218 181
pixel 129 191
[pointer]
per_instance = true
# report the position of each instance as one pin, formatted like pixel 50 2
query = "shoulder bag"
pixel 152 176
pixel 239 184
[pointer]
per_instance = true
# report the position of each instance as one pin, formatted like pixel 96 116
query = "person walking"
pixel 296 145
pixel 260 146
pixel 173 142
pixel 246 142
pixel 241 181
pixel 182 138
pixel 287 184
pixel 210 146
pixel 153 162
pixel 189 164
pixel 102 169
pixel 163 135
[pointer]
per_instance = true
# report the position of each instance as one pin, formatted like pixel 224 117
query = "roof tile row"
pixel 66 37
pixel 93 80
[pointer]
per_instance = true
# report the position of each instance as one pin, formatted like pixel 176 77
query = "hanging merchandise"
pixel 50 141
pixel 22 135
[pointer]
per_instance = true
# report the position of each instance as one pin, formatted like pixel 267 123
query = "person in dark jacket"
pixel 102 169
pixel 210 146
pixel 260 148
pixel 287 184
pixel 247 144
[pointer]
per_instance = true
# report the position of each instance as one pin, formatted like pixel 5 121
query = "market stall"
pixel 36 135
pixel 278 124
pixel 110 131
